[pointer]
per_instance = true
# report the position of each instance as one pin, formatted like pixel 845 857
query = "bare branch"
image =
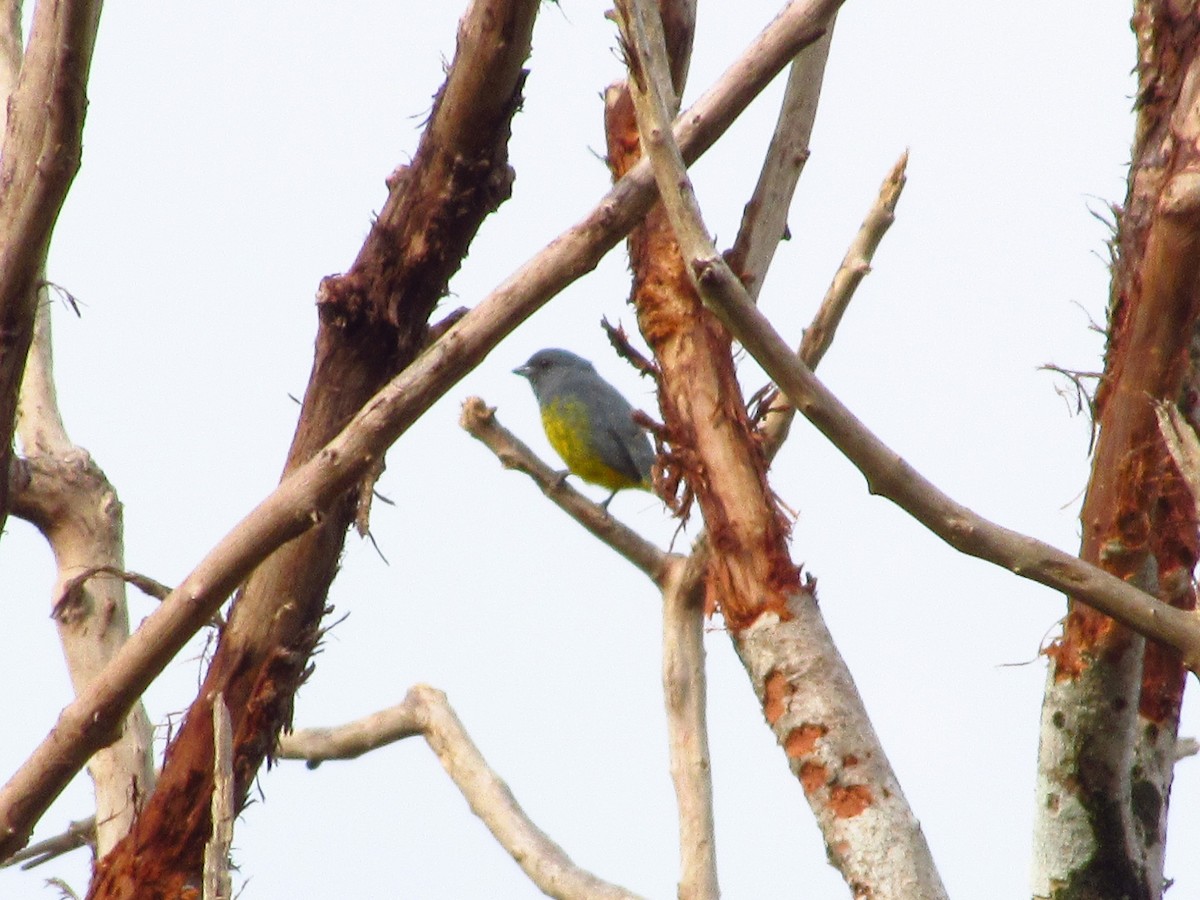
pixel 685 690
pixel 855 266
pixel 764 221
pixel 353 739
pixel 426 711
pixel 41 153
pixel 296 504
pixel 78 834
pixel 71 502
pixel 801 681
pixel 889 476
pixel 683 648
pixel 480 422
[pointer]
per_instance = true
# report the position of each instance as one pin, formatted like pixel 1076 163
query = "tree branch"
pixel 805 689
pixel 425 711
pixel 889 476
pixel 764 220
pixel 685 688
pixel 854 268
pixel 87 724
pixel 64 493
pixel 479 420
pixel 40 156
pixel 683 648
pixel 373 322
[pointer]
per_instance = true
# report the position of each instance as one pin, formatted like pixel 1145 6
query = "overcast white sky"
pixel 234 154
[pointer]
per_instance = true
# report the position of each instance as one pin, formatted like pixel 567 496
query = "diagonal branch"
pixel 373 321
pixel 805 688
pixel 68 498
pixel 425 711
pixel 854 268
pixel 764 221
pixel 888 475
pixel 290 510
pixel 684 684
pixel 479 421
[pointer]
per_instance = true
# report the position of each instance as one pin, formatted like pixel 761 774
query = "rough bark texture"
pixel 712 442
pixel 373 322
pixel 1112 701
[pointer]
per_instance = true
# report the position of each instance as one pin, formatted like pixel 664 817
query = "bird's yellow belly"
pixel 567 428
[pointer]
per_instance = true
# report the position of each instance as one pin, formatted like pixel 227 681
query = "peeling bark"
pixel 373 321
pixel 712 442
pixel 1112 700
pixel 801 681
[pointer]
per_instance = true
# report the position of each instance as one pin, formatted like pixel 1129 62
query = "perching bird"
pixel 588 423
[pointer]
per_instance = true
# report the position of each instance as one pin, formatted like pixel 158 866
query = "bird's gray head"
pixel 547 364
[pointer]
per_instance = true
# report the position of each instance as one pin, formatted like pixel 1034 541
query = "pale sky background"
pixel 233 156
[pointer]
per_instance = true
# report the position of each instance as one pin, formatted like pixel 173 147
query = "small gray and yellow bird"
pixel 588 423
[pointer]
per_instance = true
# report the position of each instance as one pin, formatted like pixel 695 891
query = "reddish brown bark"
pixel 711 439
pixel 1115 705
pixel 373 321
pixel 1138 517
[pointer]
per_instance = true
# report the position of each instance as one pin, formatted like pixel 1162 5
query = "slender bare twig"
pixel 683 648
pixel 88 723
pixel 426 711
pixel 144 583
pixel 480 422
pixel 217 882
pixel 77 834
pixel 685 689
pixel 854 267
pixel 352 739
pixel 764 221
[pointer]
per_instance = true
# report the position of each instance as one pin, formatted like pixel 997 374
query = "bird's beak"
pixel 523 371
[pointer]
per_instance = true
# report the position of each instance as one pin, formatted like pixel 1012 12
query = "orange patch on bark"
pixel 776 691
pixel 813 777
pixel 850 800
pixel 803 740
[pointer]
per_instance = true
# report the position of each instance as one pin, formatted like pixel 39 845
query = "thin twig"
pixel 685 689
pixel 854 267
pixel 764 221
pixel 479 420
pixel 426 711
pixel 352 739
pixel 77 834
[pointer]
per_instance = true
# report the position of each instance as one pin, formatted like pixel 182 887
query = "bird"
pixel 588 423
